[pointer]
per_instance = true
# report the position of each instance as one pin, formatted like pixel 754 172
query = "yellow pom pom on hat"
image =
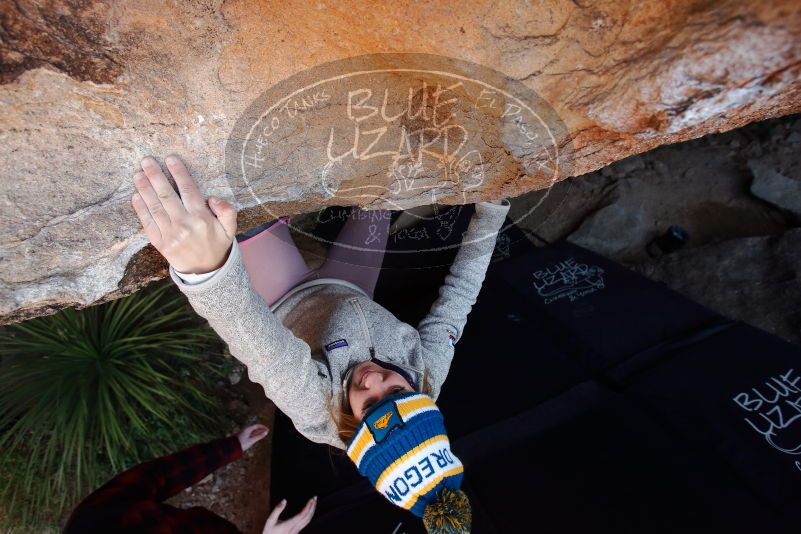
pixel 401 446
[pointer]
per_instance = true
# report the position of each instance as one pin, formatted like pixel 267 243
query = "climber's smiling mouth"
pixel 370 384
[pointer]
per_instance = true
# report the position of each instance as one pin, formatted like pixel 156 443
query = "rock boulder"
pixel 88 88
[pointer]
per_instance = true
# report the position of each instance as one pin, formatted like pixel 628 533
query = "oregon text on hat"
pixel 401 446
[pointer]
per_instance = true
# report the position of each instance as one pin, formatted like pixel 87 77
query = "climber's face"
pixel 370 383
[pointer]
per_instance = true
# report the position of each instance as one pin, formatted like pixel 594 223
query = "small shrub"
pixel 87 393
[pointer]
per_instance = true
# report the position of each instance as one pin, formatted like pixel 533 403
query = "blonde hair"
pixel 346 422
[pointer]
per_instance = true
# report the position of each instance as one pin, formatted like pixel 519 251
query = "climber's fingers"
pixel 148 224
pixel 151 200
pixel 190 194
pixel 167 196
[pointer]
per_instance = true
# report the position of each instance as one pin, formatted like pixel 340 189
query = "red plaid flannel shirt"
pixel 133 501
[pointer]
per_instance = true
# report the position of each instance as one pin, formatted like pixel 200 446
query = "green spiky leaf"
pixel 87 393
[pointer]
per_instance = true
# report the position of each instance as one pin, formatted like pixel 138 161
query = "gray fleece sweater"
pixel 292 351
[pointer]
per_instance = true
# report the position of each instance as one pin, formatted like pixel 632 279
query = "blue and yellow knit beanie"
pixel 402 448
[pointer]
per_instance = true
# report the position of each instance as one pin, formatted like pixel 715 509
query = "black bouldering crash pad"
pixel 585 397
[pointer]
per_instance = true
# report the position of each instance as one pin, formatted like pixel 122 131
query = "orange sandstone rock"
pixel 88 88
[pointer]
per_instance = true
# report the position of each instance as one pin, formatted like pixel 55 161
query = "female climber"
pixel 339 365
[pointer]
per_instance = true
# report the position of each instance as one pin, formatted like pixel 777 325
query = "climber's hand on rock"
pixel 193 237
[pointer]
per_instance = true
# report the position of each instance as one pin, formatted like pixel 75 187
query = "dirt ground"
pixel 240 491
pixel 743 255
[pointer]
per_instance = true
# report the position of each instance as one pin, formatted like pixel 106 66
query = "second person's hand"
pixel 251 435
pixel 294 524
pixel 193 236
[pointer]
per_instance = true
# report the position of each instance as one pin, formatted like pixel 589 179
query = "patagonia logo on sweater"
pixel 451 340
pixel 336 344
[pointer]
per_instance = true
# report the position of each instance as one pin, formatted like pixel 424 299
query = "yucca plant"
pixel 87 393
